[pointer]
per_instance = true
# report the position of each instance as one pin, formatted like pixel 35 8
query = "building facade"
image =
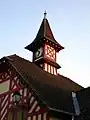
pixel 35 90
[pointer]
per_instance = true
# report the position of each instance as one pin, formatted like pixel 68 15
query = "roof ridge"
pixel 9 57
pixel 22 58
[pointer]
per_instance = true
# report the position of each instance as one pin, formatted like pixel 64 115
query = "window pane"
pixel 10 116
pixel 75 102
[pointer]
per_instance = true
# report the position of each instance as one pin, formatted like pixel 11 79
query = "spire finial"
pixel 45 14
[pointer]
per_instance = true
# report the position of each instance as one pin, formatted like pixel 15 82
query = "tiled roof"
pixel 54 90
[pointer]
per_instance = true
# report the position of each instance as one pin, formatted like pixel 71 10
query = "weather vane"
pixel 45 14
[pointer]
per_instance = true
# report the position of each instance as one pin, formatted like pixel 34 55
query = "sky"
pixel 69 21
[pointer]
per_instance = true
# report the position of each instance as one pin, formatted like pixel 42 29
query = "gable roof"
pixel 55 91
pixel 30 69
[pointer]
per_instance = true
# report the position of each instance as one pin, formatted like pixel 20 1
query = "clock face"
pixel 50 52
pixel 38 52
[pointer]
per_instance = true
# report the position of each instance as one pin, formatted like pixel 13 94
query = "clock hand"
pixel 38 52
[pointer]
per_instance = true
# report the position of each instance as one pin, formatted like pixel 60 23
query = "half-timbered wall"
pixel 10 81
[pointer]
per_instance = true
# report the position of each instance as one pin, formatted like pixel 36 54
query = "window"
pixel 75 103
pixel 10 116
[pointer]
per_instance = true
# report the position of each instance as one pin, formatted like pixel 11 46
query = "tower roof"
pixel 45 31
pixel 44 34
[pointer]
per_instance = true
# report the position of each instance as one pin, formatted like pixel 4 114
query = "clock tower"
pixel 44 48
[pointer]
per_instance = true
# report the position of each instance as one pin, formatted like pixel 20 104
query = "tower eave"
pixel 34 45
pixel 28 47
pixel 45 60
pixel 31 47
pixel 60 48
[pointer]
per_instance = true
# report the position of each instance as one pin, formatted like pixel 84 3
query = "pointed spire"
pixel 45 13
pixel 44 33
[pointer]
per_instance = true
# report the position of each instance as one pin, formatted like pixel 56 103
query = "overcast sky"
pixel 69 21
